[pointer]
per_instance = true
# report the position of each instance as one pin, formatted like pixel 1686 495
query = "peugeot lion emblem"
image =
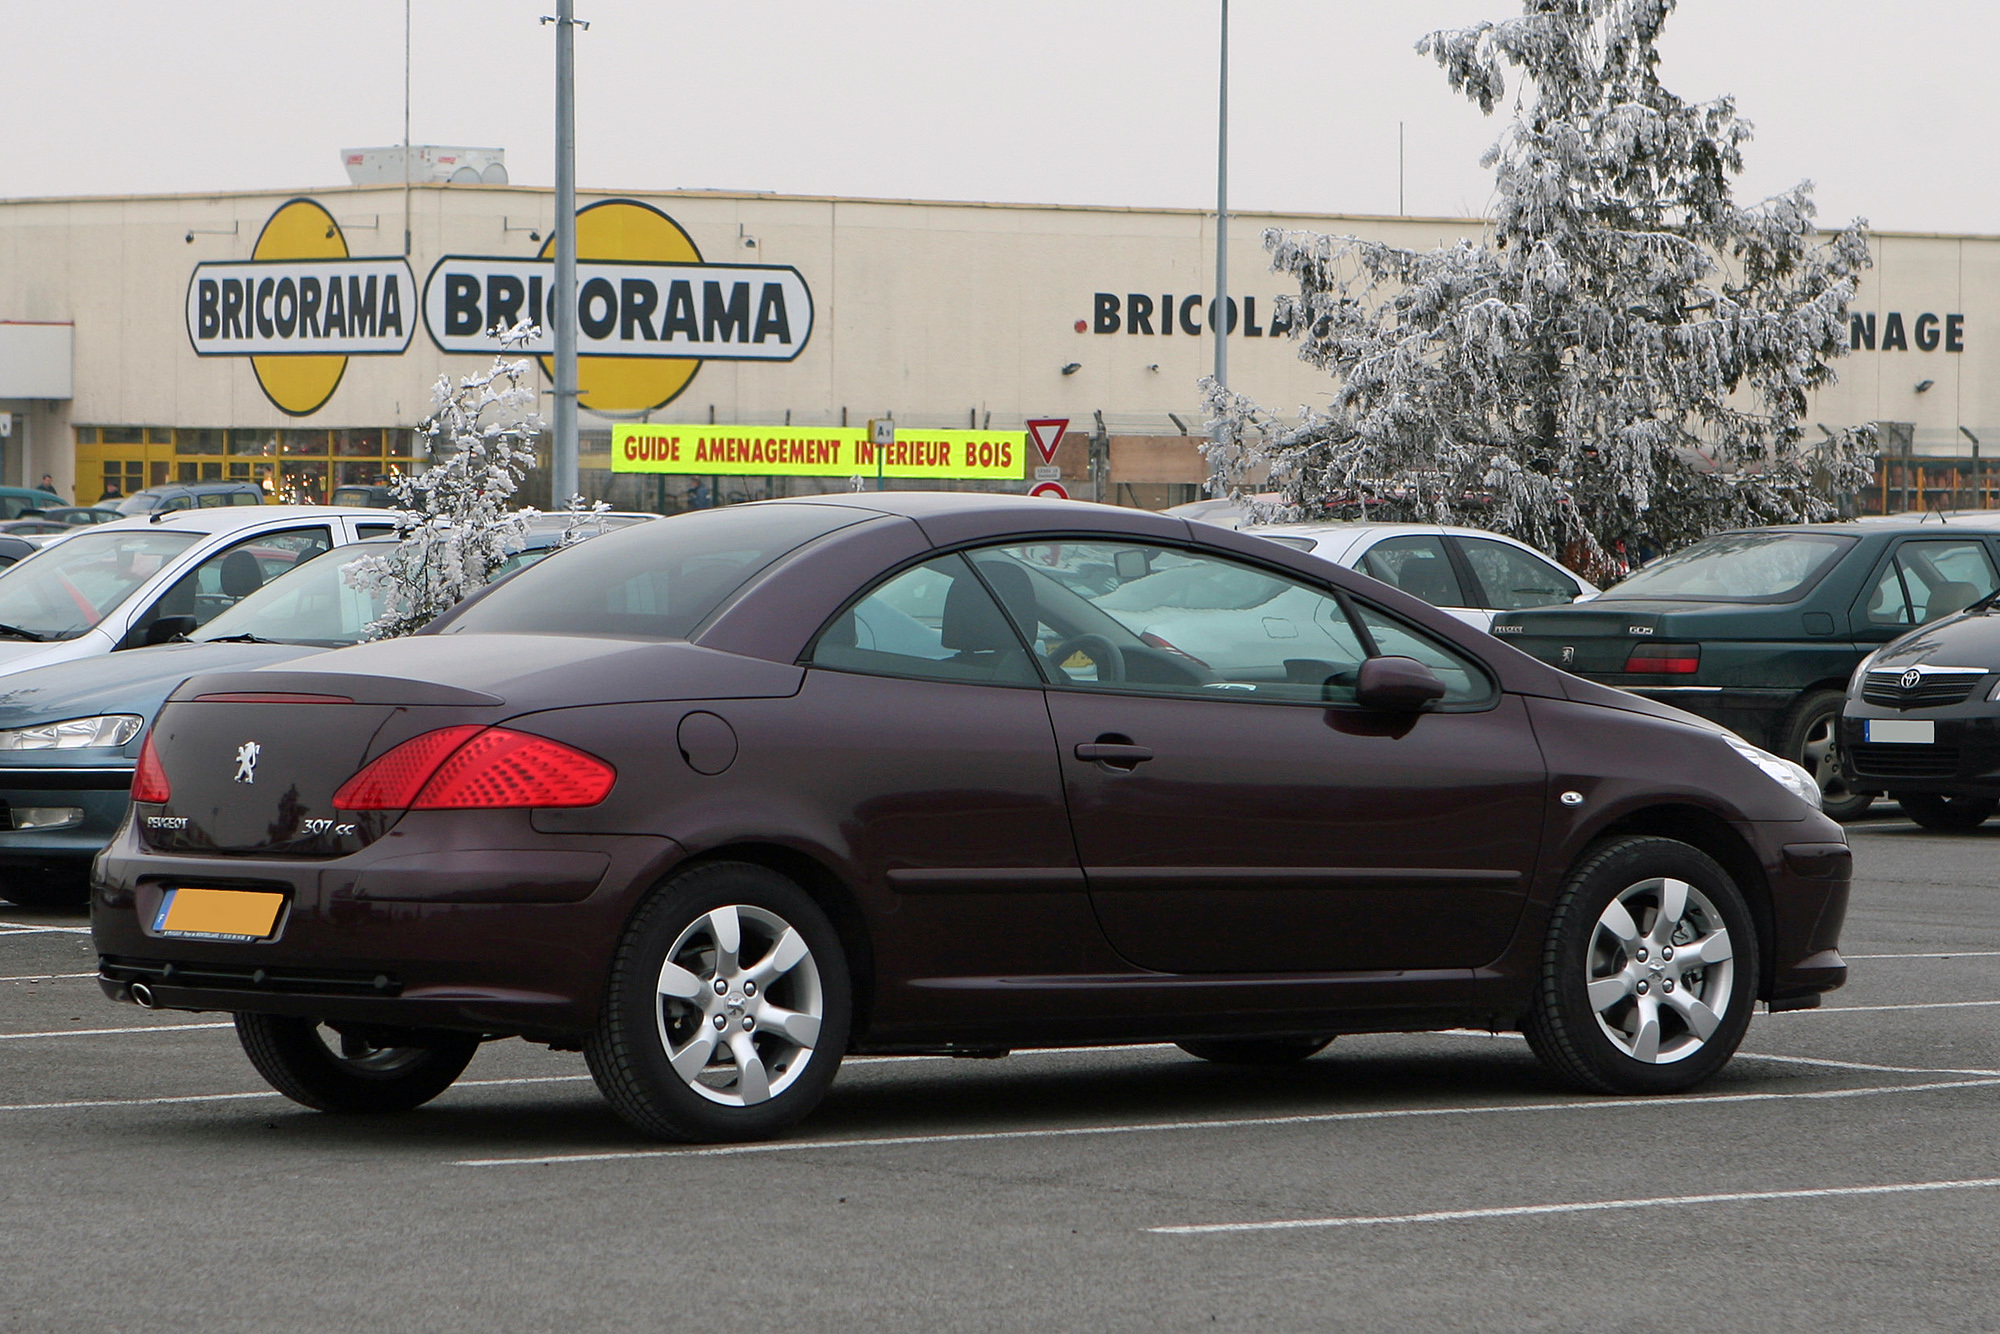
pixel 1911 679
pixel 246 761
pixel 1568 654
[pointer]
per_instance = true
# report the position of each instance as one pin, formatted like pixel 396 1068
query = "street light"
pixel 1220 319
pixel 562 300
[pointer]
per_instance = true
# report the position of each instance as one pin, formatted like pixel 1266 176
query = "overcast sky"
pixel 1889 108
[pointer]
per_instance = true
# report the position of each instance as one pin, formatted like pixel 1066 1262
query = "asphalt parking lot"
pixel 1843 1172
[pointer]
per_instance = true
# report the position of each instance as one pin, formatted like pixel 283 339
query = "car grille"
pixel 1891 761
pixel 245 977
pixel 1933 691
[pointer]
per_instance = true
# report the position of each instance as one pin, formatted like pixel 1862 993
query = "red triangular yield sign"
pixel 1047 434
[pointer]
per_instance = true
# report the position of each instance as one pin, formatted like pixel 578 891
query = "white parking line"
pixel 1953 954
pixel 1578 1207
pixel 29 929
pixel 239 1097
pixel 1877 1009
pixel 1231 1123
pixel 1861 1065
pixel 45 977
pixel 106 1032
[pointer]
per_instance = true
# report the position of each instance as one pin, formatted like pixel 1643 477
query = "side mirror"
pixel 1129 565
pixel 169 628
pixel 1397 684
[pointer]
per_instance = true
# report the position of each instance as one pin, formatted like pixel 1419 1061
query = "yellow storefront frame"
pixel 816 451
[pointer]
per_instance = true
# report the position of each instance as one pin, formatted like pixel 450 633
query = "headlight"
pixel 1792 777
pixel 111 730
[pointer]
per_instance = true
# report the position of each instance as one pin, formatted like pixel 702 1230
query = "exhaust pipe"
pixel 142 996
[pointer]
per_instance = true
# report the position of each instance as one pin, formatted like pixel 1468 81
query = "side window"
pixel 236 572
pixel 1464 681
pixel 1514 580
pixel 935 621
pixel 1418 565
pixel 368 530
pixel 1134 617
pixel 1930 579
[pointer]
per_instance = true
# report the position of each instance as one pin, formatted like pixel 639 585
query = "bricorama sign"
pixel 816 451
pixel 649 310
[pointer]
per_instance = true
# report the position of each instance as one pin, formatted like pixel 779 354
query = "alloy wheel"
pixel 740 1005
pixel 1661 970
pixel 1821 757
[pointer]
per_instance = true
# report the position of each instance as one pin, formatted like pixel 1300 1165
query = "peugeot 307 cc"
pixel 723 798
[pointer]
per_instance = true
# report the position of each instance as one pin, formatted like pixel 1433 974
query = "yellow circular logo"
pixel 299 307
pixel 648 309
pixel 300 385
pixel 615 230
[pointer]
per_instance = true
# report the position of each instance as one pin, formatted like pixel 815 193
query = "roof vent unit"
pixel 429 164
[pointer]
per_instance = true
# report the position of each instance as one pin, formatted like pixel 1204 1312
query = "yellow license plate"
pixel 219 914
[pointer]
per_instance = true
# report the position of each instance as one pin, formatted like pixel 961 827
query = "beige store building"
pixel 294 340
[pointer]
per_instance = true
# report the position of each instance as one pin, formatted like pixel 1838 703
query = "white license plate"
pixel 1903 731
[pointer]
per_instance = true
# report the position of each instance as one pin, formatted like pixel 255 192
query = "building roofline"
pixel 216 196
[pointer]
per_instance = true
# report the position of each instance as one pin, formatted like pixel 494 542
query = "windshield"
pixel 71 585
pixel 309 605
pixel 1738 567
pixel 653 580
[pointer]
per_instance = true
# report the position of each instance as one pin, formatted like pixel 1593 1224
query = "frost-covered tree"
pixel 455 528
pixel 1623 358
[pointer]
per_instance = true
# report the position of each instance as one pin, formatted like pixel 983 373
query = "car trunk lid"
pixel 253 760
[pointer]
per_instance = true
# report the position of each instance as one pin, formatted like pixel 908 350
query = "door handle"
pixel 1118 756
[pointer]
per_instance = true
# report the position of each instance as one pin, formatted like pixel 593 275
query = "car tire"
pixel 355 1073
pixel 1255 1051
pixel 658 1052
pixel 1935 810
pixel 1619 1007
pixel 46 889
pixel 1812 738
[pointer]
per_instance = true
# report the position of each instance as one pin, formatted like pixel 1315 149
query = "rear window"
pixel 1738 567
pixel 653 580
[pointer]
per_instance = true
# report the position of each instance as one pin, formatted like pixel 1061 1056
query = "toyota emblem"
pixel 1911 679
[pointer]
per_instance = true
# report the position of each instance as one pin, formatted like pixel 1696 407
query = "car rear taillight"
pixel 477 768
pixel 150 784
pixel 1665 659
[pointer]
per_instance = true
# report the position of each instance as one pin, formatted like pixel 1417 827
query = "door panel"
pixel 1276 837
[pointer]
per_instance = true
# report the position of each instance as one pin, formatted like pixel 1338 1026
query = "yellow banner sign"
pixel 815 451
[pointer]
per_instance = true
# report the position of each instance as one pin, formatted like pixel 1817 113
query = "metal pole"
pixel 562 301
pixel 1222 213
pixel 406 129
pixel 1221 306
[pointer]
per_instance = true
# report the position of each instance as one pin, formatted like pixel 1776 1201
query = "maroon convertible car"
pixel 723 798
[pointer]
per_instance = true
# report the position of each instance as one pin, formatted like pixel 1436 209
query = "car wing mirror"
pixel 1397 684
pixel 169 628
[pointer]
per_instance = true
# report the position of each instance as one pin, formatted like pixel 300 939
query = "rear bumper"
pixel 478 952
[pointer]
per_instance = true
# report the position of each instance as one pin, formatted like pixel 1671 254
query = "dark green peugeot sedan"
pixel 1759 630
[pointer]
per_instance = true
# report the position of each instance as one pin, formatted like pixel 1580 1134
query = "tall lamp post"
pixel 562 301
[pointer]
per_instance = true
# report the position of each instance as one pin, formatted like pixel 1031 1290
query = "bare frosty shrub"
pixel 455 528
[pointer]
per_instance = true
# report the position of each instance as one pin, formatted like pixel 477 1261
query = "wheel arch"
pixel 834 897
pixel 1710 833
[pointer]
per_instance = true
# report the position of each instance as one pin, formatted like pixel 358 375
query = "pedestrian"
pixel 49 485
pixel 111 492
